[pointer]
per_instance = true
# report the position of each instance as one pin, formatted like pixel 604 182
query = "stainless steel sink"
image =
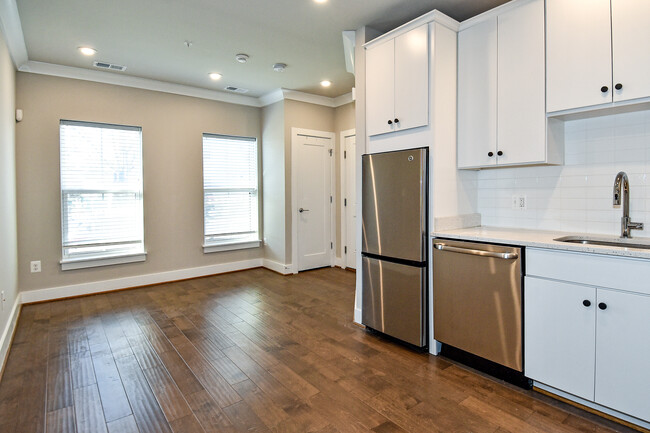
pixel 643 243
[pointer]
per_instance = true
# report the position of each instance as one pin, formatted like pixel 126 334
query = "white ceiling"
pixel 147 36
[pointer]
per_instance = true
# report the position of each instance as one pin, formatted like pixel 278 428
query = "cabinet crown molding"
pixel 435 16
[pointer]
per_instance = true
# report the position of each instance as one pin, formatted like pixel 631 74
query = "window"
pixel 230 199
pixel 101 194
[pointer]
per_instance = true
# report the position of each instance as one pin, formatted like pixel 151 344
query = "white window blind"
pixel 101 190
pixel 230 182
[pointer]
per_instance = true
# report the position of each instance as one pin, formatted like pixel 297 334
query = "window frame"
pixel 82 261
pixel 237 244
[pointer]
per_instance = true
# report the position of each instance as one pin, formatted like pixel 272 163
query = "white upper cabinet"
pixel 501 90
pixel 397 82
pixel 477 94
pixel 596 52
pixel 630 41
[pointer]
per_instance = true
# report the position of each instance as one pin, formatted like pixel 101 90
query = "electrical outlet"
pixel 35 266
pixel 519 202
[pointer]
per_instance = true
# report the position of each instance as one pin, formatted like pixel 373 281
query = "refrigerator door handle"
pixel 505 256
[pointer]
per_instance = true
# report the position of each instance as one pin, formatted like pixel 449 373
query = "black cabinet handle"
pixel 396 120
pixel 490 154
pixel 390 122
pixel 604 89
pixel 586 303
pixel 618 86
pixel 602 306
pixel 499 153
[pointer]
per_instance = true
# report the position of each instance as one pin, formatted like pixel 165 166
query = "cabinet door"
pixel 521 118
pixel 380 87
pixel 630 39
pixel 623 353
pixel 559 341
pixel 412 78
pixel 477 95
pixel 578 53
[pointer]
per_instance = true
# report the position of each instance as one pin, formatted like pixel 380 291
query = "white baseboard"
pixel 277 267
pixel 340 262
pixel 52 293
pixel 591 404
pixel 357 316
pixel 8 333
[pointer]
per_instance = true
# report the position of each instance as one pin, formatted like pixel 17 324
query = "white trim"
pixel 13 32
pixel 344 209
pixel 294 95
pixel 349 43
pixel 491 13
pixel 339 261
pixel 280 268
pixel 94 262
pixel 433 16
pixel 51 293
pixel 8 333
pixel 593 405
pixel 357 316
pixel 118 79
pixel 231 246
pixel 295 132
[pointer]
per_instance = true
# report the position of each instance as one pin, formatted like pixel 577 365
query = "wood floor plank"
pixel 248 351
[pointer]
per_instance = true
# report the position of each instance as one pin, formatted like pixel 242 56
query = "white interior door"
pixel 314 201
pixel 350 193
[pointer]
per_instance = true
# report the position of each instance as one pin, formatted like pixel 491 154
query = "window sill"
pixel 231 246
pixel 93 262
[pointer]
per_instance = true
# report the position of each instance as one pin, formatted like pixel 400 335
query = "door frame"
pixel 295 132
pixel 344 180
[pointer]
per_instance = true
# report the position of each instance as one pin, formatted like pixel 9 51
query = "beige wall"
pixel 273 161
pixel 8 243
pixel 172 128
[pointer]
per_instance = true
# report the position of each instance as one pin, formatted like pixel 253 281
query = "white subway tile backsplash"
pixel 578 195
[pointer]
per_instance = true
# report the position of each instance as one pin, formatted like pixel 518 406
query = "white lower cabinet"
pixel 623 352
pixel 584 339
pixel 560 335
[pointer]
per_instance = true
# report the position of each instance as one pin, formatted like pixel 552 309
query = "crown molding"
pixel 12 30
pixel 295 95
pixel 435 16
pixel 136 82
pixel 272 97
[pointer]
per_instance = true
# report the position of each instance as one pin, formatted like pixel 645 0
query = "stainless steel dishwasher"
pixel 477 300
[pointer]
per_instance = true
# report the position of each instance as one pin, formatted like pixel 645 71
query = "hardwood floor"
pixel 250 351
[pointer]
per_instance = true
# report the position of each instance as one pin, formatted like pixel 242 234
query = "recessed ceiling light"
pixel 325 83
pixel 87 51
pixel 320 1
pixel 279 67
pixel 215 76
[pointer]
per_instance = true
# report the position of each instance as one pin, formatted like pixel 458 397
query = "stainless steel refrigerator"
pixel 394 247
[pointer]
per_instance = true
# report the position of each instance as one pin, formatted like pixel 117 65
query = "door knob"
pixel 301 210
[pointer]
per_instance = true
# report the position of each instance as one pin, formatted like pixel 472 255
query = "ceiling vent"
pixel 235 89
pixel 109 66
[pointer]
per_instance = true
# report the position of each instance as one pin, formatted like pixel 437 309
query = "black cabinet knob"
pixel 499 153
pixel 602 306
pixel 396 120
pixel 490 154
pixel 586 303
pixel 390 122
pixel 604 89
pixel 618 86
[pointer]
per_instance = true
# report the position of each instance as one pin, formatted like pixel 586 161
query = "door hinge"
pixel 331 245
pixel 346 250
pixel 345 202
pixel 345 154
pixel 331 151
pixel 330 199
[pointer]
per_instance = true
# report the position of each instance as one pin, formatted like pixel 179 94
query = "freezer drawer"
pixel 393 299
pixel 477 299
pixel 394 204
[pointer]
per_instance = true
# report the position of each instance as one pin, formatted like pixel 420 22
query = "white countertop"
pixel 538 239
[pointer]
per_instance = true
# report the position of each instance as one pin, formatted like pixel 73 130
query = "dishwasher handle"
pixel 505 256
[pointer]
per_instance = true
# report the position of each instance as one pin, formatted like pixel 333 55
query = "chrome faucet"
pixel 622 187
